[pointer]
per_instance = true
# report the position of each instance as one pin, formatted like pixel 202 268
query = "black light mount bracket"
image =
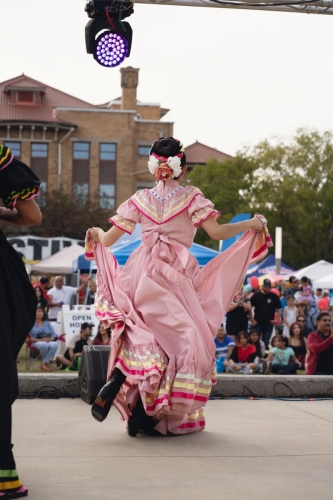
pixel 117 9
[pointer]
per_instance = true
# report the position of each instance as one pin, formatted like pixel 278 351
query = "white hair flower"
pixel 174 163
pixel 153 164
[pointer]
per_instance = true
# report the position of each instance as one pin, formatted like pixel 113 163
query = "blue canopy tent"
pixel 267 266
pixel 201 253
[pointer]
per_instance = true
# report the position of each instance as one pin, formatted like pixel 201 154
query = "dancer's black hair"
pixel 168 146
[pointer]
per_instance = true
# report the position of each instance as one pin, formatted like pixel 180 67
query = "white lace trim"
pixel 167 197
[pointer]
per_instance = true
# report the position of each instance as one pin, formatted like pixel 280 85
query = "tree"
pixel 70 216
pixel 65 215
pixel 294 187
pixel 225 184
pixel 291 183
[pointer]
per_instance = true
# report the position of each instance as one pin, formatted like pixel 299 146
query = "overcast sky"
pixel 230 78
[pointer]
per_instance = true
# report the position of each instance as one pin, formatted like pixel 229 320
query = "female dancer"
pixel 18 187
pixel 164 311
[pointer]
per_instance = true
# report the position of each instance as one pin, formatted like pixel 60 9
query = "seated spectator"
pixel 103 335
pixel 42 300
pixel 224 346
pixel 305 330
pixel 273 341
pixel 289 315
pixel 241 360
pixel 320 346
pixel 298 343
pixel 260 350
pixel 281 355
pixel 75 348
pixel 238 315
pixel 44 339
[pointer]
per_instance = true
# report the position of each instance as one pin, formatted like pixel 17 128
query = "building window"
pixel 107 175
pixel 39 156
pixel 143 150
pixel 81 158
pixel 15 148
pixel 25 96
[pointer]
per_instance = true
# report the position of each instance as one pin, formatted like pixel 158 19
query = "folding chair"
pixel 33 355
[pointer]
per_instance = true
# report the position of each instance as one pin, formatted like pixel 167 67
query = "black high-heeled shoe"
pixel 100 409
pixel 141 421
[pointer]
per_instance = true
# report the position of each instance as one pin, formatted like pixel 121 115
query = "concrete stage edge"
pixel 261 386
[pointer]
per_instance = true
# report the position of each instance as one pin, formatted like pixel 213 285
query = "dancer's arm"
pixel 106 239
pixel 225 231
pixel 26 213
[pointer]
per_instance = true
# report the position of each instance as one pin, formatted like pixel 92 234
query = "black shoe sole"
pixel 101 412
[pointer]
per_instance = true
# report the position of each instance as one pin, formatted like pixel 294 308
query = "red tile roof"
pixel 198 153
pixel 30 112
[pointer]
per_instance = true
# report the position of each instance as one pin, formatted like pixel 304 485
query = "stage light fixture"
pixel 108 37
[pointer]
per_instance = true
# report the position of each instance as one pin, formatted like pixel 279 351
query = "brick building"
pixel 98 151
pixel 198 154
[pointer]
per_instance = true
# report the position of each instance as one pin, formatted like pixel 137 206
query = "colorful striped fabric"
pixel 200 215
pixel 161 212
pixel 194 422
pixel 24 194
pixel 9 482
pixel 175 393
pixel 263 243
pixel 6 157
pixel 124 224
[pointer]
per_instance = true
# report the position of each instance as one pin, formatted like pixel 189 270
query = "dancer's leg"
pixel 10 483
pixel 100 409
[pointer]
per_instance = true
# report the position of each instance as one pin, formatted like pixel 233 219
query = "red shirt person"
pixel 320 345
pixel 43 283
pixel 241 360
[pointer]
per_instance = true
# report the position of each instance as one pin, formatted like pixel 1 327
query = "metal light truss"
pixel 324 7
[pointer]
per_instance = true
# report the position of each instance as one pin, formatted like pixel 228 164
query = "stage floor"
pixel 250 450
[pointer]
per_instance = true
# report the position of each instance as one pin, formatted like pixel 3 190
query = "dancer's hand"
pixel 95 233
pixel 256 224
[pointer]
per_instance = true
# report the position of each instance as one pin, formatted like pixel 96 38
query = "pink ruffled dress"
pixel 164 311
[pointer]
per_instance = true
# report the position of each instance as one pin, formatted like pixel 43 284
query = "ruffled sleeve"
pixel 126 218
pixel 200 209
pixel 17 180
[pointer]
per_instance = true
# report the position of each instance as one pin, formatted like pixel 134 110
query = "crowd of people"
pixel 270 331
pixel 264 331
pixel 43 339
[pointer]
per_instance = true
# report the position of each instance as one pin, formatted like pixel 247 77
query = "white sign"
pixel 34 249
pixel 73 320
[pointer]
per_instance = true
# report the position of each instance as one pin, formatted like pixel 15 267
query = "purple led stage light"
pixel 110 49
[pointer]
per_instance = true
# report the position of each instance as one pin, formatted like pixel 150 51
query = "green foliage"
pixel 70 216
pixel 291 183
pixel 227 185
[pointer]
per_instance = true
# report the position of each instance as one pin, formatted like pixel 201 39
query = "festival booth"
pixel 268 267
pixel 316 271
pixel 325 282
pixel 59 263
pixel 122 253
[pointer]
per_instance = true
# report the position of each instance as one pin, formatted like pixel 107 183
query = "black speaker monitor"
pixel 93 371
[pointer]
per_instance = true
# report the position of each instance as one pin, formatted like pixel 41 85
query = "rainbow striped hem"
pixel 164 391
pixel 9 481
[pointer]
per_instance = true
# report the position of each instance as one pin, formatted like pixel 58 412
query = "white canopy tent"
pixel 325 282
pixel 316 271
pixel 59 263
